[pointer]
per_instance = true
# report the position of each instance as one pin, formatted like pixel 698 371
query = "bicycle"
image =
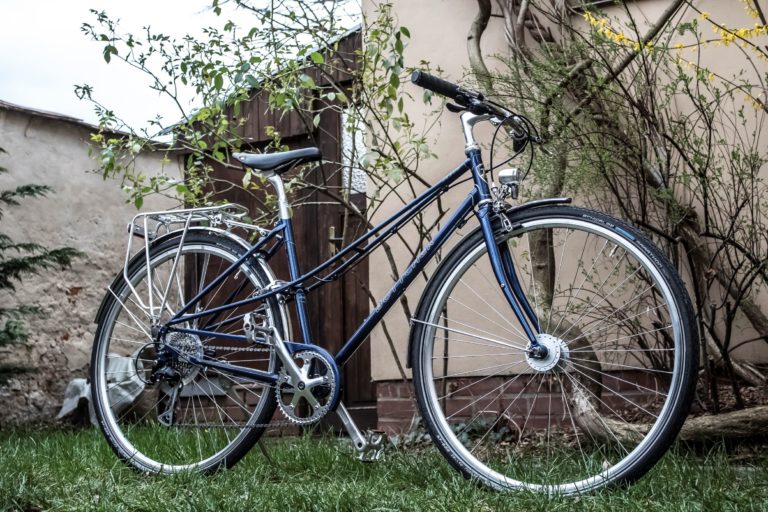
pixel 551 350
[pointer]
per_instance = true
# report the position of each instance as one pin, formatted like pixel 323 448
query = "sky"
pixel 43 54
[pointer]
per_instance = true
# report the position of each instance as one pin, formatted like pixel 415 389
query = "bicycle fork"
pixel 506 275
pixel 501 260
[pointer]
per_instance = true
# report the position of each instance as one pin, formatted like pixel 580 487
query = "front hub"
pixel 553 356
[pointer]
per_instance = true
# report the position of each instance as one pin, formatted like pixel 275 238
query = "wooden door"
pixel 336 308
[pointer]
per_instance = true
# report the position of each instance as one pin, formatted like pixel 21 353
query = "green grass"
pixel 55 470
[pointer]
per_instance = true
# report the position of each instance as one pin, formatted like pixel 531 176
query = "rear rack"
pixel 151 225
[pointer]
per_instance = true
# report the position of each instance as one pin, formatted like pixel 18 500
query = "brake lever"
pixel 454 108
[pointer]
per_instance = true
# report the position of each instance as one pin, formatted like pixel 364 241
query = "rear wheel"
pixel 614 388
pixel 170 416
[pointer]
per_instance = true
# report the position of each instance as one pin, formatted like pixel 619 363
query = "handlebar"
pixel 465 98
pixel 474 102
pixel 440 86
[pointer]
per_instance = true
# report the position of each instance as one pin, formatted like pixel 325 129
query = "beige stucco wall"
pixel 438 34
pixel 85 212
pixel 726 62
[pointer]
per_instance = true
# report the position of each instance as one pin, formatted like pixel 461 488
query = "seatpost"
pixel 282 202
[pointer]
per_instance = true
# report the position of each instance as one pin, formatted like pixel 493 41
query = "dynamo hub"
pixel 555 357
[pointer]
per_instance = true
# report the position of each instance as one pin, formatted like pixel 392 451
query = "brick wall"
pixel 395 405
pixel 525 403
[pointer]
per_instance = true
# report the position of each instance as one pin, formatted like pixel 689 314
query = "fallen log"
pixel 743 423
pixel 749 422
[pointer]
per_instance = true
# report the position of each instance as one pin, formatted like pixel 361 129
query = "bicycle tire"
pixel 216 418
pixel 510 422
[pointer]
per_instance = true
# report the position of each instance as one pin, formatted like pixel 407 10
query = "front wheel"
pixel 611 393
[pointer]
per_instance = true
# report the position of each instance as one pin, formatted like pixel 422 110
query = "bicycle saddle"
pixel 278 163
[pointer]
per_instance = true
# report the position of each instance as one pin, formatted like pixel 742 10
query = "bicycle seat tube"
pixel 284 210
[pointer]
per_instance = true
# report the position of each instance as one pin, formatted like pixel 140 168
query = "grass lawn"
pixel 56 470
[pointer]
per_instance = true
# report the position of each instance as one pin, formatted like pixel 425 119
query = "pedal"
pixel 373 447
pixel 369 445
pixel 252 328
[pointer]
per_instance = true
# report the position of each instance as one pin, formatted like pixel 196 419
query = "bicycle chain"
pixel 237 349
pixel 271 424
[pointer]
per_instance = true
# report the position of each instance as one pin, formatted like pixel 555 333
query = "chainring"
pixel 307 405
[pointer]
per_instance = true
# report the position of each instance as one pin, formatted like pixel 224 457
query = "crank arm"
pixel 286 358
pixel 369 445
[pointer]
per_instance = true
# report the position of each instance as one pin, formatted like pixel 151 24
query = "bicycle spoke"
pixel 457 331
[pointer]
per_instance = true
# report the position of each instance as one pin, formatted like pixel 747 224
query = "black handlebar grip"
pixel 437 85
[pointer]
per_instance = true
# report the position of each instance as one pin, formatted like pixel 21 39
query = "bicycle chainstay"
pixel 241 426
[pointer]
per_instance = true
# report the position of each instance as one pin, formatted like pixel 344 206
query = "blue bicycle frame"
pixel 479 200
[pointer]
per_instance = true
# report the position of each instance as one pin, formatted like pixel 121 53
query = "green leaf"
pixel 218 82
pixel 316 120
pixel 405 31
pixel 307 81
pixel 109 50
pixel 138 202
pixel 317 58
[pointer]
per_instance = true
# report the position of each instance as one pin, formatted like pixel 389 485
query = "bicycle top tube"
pixel 356 250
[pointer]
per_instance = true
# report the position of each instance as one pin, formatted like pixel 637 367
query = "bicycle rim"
pixel 610 396
pixel 215 417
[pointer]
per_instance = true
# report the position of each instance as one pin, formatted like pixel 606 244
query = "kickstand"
pixel 266 454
